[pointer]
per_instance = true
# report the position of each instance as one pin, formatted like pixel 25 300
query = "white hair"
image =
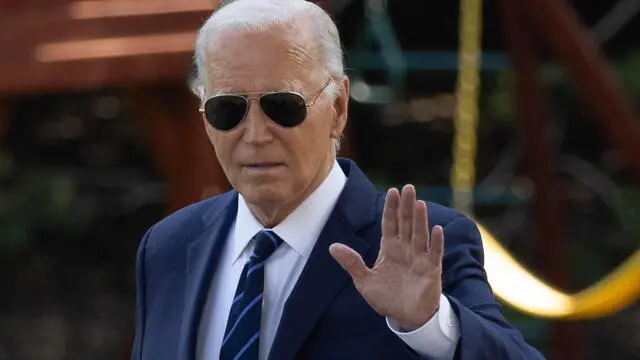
pixel 262 15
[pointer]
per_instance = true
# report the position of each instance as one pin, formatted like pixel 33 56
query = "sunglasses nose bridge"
pixel 252 98
pixel 256 129
pixel 251 101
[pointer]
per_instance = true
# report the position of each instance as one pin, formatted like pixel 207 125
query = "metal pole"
pixel 622 13
pixel 573 44
pixel 534 119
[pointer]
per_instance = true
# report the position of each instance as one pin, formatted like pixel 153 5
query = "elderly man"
pixel 304 259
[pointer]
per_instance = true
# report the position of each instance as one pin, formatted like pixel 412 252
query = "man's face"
pixel 268 164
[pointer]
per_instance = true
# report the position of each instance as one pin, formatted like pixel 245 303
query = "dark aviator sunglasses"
pixel 285 108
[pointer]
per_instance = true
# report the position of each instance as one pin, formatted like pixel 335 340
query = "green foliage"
pixel 628 72
pixel 627 210
pixel 33 200
pixel 501 101
pixel 587 264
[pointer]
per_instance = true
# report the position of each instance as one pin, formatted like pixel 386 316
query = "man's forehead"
pixel 229 87
pixel 227 47
pixel 254 62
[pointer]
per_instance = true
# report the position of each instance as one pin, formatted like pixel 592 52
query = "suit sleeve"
pixel 484 332
pixel 136 352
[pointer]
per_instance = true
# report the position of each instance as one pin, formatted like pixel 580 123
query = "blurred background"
pixel 100 137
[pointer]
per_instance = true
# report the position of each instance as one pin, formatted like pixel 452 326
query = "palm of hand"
pixel 405 282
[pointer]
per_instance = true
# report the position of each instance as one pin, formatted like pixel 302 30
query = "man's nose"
pixel 257 130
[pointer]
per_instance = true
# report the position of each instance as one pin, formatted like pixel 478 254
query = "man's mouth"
pixel 262 165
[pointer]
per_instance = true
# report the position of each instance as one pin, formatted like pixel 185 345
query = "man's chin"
pixel 263 195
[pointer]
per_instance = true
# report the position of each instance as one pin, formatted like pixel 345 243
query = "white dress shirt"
pixel 437 339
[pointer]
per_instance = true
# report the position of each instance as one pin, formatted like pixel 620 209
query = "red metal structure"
pixel 538 154
pixel 526 25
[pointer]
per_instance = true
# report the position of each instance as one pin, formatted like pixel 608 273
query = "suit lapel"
pixel 323 278
pixel 202 256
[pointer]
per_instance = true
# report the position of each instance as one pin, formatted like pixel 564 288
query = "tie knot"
pixel 266 243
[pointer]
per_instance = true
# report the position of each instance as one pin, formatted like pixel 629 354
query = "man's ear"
pixel 341 109
pixel 196 85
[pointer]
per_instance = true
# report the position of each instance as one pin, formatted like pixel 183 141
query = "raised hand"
pixel 405 282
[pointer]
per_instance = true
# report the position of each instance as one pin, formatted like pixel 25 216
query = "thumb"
pixel 350 261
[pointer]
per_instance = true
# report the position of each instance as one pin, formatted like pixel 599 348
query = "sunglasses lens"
pixel 285 109
pixel 226 111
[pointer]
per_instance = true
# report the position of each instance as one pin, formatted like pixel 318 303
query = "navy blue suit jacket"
pixel 324 318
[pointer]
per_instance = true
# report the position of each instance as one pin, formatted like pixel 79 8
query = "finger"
pixel 390 214
pixel 420 237
pixel 350 261
pixel 407 204
pixel 436 244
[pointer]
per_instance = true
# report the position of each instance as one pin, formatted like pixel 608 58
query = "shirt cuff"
pixel 438 338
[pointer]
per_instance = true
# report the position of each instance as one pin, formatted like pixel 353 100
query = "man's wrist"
pixel 410 326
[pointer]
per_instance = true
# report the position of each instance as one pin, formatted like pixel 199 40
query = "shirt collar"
pixel 301 228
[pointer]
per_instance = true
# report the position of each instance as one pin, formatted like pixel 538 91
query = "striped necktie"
pixel 241 337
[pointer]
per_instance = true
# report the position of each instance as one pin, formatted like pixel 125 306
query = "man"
pixel 304 259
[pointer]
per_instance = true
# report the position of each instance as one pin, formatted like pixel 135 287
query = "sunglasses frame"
pixel 249 97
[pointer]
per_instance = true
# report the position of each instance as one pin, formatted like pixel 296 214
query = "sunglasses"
pixel 285 108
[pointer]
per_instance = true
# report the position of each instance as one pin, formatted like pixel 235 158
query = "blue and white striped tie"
pixel 241 338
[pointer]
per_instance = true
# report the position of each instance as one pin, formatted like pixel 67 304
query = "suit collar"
pixel 322 279
pixel 219 206
pixel 357 203
pixel 302 227
pixel 202 255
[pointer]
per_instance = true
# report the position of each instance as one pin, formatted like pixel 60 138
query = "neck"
pixel 270 215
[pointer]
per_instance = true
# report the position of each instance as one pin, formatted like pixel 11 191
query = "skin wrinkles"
pixel 295 57
pixel 300 51
pixel 290 85
pixel 298 159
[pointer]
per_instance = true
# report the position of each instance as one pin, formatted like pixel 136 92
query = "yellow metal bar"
pixel 464 148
